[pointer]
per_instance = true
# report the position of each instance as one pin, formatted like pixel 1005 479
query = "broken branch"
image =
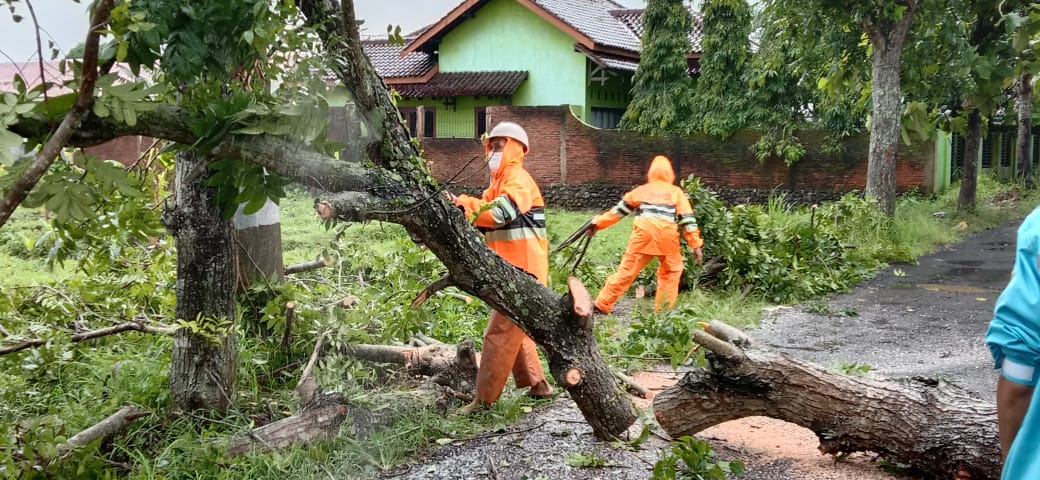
pixel 84 99
pixel 103 429
pixel 315 264
pixel 436 286
pixel 92 334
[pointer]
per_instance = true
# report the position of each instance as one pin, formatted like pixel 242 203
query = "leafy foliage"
pixel 781 262
pixel 694 459
pixel 720 104
pixel 662 90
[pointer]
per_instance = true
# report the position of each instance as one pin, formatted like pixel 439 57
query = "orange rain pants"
pixel 661 209
pixel 511 213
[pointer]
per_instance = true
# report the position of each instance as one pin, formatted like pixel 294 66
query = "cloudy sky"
pixel 65 22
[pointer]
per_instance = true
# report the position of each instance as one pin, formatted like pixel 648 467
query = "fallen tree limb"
pixel 315 264
pixel 453 366
pixel 92 334
pixel 106 428
pixel 933 427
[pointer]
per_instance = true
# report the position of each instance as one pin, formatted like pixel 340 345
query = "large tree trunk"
pixel 394 184
pixel 887 37
pixel 565 336
pixel 928 425
pixel 970 162
pixel 202 373
pixel 1024 106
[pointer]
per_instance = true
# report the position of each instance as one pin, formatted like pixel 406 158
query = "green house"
pixel 580 53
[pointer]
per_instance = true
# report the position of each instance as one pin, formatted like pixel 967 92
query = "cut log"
pixel 929 425
pixel 320 262
pixel 319 420
pixel 453 366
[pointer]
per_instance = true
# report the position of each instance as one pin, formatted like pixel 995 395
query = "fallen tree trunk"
pixel 931 426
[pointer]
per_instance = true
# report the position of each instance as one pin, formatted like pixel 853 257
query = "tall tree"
pixel 662 90
pixel 393 184
pixel 720 105
pixel 886 25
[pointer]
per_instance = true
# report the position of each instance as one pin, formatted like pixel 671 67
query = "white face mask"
pixel 494 161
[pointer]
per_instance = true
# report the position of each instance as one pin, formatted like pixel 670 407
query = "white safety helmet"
pixel 511 130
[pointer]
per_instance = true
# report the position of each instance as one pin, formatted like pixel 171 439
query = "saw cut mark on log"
pixel 933 426
pixel 572 377
pixel 92 334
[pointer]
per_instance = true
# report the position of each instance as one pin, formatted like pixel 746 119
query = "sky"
pixel 65 22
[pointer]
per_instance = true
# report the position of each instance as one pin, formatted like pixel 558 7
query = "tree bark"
pixel 970 162
pixel 928 425
pixel 887 37
pixel 395 185
pixel 1024 106
pixel 447 365
pixel 202 372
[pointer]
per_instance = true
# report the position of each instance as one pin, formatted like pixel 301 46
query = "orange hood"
pixel 661 170
pixel 512 156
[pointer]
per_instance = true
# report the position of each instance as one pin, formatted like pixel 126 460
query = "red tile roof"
pixel 457 84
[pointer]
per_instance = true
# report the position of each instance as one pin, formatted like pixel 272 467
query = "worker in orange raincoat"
pixel 661 210
pixel 511 213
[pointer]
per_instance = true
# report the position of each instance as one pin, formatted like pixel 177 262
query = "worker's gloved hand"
pixel 592 226
pixel 698 255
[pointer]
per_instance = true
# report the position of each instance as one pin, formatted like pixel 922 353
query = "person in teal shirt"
pixel 1014 339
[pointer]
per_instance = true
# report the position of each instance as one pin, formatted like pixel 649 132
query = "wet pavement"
pixel 928 319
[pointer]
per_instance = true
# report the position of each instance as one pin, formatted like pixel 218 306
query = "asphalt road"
pixel 928 319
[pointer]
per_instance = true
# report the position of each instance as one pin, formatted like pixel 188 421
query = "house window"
pixel 411 116
pixel 606 117
pixel 1006 147
pixel 480 121
pixel 987 152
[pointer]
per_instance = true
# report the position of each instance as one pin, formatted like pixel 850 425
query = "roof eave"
pixel 467 6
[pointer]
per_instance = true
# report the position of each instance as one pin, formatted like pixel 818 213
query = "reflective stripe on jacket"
pixel 511 213
pixel 661 209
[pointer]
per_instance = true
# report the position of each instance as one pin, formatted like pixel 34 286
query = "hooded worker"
pixel 661 210
pixel 511 213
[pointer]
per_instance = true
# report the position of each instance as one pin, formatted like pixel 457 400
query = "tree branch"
pixel 92 334
pixel 103 429
pixel 69 124
pixel 315 264
pixel 296 161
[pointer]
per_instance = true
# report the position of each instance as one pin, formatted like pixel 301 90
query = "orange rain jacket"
pixel 657 203
pixel 661 209
pixel 511 213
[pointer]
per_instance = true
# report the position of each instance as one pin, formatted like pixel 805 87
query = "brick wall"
pixel 125 150
pixel 589 155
